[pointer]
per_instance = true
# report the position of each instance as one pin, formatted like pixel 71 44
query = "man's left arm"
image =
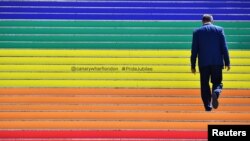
pixel 194 52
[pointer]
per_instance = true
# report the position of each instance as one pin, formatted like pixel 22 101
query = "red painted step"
pixel 70 139
pixel 104 134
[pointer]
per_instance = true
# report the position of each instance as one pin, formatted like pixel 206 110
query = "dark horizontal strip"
pixel 126 4
pixel 111 0
pixel 117 24
pixel 199 1
pixel 119 17
pixel 125 10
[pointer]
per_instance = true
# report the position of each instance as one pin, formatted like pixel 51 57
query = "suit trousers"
pixel 207 73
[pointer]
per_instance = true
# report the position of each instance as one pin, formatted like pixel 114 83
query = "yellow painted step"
pixel 114 76
pixel 117 84
pixel 109 68
pixel 124 61
pixel 111 125
pixel 108 53
pixel 74 61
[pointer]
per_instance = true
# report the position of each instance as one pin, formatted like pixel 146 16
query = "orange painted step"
pixel 140 116
pixel 79 107
pixel 117 100
pixel 109 125
pixel 110 91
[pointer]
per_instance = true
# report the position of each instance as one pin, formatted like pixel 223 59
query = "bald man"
pixel 210 46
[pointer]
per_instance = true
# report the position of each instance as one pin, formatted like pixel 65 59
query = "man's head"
pixel 207 18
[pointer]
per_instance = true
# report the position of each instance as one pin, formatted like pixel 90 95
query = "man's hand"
pixel 227 68
pixel 193 70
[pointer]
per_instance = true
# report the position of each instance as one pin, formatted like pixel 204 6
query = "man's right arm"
pixel 225 50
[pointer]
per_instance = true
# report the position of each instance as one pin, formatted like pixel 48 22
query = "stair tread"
pixel 116 100
pixel 139 116
pixel 116 92
pixel 18 124
pixel 116 108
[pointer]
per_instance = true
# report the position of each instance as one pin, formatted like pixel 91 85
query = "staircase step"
pixel 98 61
pixel 104 134
pixel 112 68
pixel 115 108
pixel 112 125
pixel 114 84
pixel 94 139
pixel 113 30
pixel 117 92
pixel 54 23
pixel 116 100
pixel 127 116
pixel 108 53
pixel 114 76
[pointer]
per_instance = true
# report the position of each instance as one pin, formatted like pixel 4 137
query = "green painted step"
pixel 102 30
pixel 116 38
pixel 119 24
pixel 98 38
pixel 111 34
pixel 108 45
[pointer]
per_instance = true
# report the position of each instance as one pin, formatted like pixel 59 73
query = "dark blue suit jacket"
pixel 210 45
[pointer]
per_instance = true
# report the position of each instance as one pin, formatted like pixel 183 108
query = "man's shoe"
pixel 218 90
pixel 215 102
pixel 215 96
pixel 209 109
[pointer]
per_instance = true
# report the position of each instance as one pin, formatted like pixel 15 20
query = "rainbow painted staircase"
pixel 115 70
